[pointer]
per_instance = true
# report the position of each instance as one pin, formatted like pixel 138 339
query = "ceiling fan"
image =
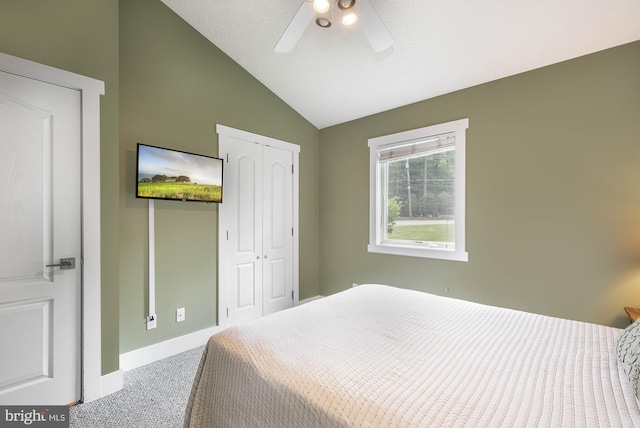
pixel 323 12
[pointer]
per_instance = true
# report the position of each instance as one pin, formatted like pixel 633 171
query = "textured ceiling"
pixel 440 46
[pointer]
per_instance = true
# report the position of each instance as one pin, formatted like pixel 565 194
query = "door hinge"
pixel 227 157
pixel 227 312
pixel 291 169
pixel 292 231
pixel 292 295
pixel 227 235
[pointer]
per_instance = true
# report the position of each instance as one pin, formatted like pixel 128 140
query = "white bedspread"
pixel 377 356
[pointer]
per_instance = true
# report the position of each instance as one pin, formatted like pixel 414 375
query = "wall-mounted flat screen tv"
pixel 176 175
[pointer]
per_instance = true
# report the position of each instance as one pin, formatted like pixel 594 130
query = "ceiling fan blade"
pixel 298 24
pixel 372 26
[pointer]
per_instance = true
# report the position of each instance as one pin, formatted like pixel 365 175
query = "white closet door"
pixel 277 235
pixel 243 196
pixel 258 237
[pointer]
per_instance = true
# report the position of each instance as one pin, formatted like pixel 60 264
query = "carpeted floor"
pixel 153 396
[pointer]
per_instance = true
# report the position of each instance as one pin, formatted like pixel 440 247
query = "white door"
pixel 257 236
pixel 40 142
pixel 243 195
pixel 277 242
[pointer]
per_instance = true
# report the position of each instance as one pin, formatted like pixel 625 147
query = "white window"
pixel 417 192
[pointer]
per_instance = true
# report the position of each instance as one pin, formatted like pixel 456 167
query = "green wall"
pixel 81 36
pixel 553 192
pixel 175 86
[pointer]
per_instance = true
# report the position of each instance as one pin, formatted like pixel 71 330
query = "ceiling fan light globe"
pixel 321 6
pixel 349 17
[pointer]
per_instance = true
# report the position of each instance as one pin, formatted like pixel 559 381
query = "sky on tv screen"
pixel 157 161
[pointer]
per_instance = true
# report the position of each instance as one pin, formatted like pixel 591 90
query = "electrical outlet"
pixel 151 321
pixel 180 314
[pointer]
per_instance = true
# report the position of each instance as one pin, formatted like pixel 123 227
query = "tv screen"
pixel 176 175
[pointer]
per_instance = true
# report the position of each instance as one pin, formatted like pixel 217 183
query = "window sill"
pixel 399 250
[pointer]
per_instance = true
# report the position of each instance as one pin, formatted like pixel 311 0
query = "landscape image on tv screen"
pixel 177 175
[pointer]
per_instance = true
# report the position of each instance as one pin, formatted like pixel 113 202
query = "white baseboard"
pixel 149 354
pixel 110 383
pixel 309 299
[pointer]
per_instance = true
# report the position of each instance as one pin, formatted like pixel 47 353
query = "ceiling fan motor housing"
pixel 369 23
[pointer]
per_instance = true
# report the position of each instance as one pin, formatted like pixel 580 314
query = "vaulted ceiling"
pixel 333 76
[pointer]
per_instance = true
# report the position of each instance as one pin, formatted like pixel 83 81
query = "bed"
pixel 379 356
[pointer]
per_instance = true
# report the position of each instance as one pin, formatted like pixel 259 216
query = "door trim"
pixel 226 131
pixel 90 90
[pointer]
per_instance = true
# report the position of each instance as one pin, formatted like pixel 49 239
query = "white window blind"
pixel 409 149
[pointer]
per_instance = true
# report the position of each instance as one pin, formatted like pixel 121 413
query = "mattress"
pixel 379 356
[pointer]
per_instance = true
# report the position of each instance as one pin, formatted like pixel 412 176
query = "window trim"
pixel 377 243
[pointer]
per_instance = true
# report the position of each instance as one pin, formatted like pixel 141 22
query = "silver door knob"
pixel 65 263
